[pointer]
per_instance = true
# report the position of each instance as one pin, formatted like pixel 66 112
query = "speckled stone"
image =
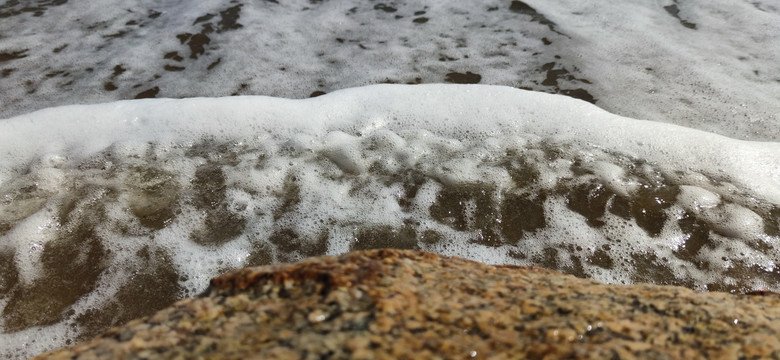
pixel 395 304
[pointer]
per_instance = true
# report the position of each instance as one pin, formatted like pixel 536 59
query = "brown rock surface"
pixel 393 304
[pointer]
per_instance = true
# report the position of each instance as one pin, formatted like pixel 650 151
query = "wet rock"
pixel 394 304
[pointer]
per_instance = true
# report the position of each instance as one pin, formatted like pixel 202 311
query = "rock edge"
pixel 398 304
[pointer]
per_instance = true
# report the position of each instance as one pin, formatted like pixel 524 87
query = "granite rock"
pixel 395 304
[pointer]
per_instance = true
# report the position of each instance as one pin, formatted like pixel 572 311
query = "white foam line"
pixel 447 110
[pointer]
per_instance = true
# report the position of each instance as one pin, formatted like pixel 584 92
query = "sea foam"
pixel 110 211
pixel 707 64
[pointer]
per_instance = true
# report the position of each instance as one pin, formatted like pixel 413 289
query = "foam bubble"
pixel 695 199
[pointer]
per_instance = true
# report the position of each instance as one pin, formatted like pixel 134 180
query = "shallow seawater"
pixel 99 230
pixel 109 212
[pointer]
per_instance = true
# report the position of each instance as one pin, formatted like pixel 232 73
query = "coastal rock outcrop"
pixel 397 304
